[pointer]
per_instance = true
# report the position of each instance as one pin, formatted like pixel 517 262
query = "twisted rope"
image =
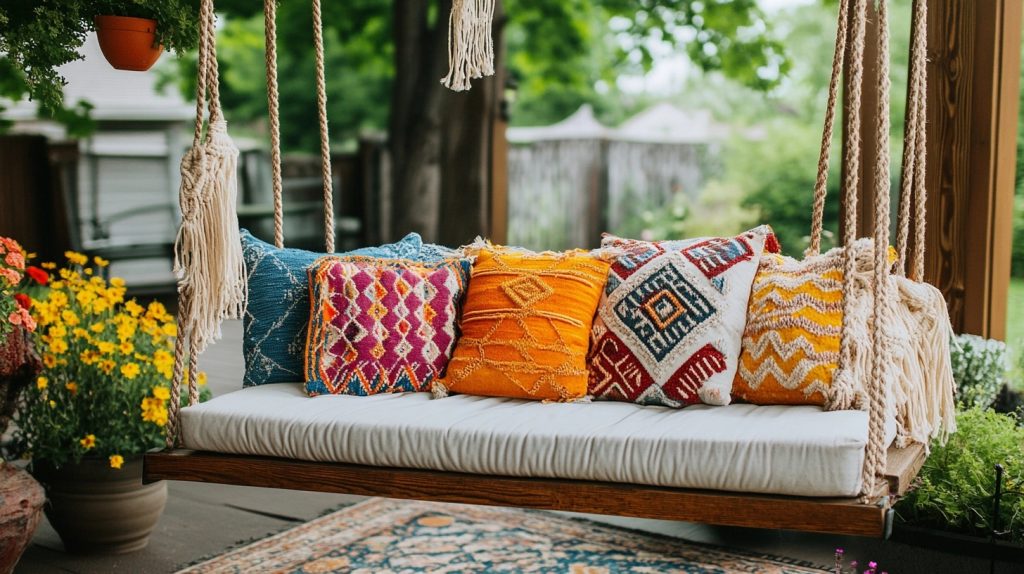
pixel 821 184
pixel 325 146
pixel 914 142
pixel 270 56
pixel 920 58
pixel 878 383
pixel 842 389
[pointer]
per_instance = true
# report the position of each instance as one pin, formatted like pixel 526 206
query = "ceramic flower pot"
pixel 128 43
pixel 21 508
pixel 100 510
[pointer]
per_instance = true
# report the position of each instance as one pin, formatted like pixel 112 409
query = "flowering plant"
pixel 14 304
pixel 107 366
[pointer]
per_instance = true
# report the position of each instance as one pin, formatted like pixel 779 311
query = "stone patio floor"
pixel 203 520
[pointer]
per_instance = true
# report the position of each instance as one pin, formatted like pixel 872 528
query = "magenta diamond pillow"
pixel 669 327
pixel 381 325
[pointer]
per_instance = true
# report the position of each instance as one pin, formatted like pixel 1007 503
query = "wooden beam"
pixel 833 515
pixel 974 69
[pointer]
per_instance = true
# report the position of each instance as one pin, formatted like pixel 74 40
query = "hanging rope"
pixel 470 44
pixel 920 78
pixel 325 144
pixel 208 255
pixel 270 56
pixel 878 382
pixel 821 184
pixel 843 392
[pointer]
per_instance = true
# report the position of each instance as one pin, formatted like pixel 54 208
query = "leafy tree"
pixel 559 51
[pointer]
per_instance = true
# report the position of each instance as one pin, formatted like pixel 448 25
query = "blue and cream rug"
pixel 382 536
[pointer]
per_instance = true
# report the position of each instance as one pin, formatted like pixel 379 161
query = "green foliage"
pixel 955 487
pixel 562 53
pixel 777 174
pixel 979 369
pixel 717 211
pixel 40 36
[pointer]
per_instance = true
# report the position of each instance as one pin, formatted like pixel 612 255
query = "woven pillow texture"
pixel 671 318
pixel 277 313
pixel 792 339
pixel 525 325
pixel 381 326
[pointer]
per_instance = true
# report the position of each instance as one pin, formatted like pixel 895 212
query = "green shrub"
pixel 979 369
pixel 955 487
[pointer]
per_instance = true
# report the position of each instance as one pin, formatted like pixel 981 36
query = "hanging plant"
pixel 38 37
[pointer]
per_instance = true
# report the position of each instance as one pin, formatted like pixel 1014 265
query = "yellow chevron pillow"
pixel 790 348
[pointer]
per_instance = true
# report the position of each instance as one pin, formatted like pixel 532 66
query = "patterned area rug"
pixel 382 536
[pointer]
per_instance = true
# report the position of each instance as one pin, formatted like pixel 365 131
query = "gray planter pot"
pixel 99 510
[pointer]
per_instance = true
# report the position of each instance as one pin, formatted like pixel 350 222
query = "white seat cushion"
pixel 798 450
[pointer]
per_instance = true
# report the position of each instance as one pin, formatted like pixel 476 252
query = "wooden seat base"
pixel 829 515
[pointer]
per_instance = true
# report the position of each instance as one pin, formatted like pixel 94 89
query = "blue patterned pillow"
pixel 277 314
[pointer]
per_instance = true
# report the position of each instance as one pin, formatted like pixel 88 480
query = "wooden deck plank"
pixel 840 516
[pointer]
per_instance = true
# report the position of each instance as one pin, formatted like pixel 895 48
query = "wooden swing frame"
pixel 868 515
pixel 828 515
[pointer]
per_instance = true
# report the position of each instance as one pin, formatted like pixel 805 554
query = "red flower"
pixel 24 301
pixel 40 276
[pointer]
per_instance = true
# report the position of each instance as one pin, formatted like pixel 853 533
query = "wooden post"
pixel 498 188
pixel 974 68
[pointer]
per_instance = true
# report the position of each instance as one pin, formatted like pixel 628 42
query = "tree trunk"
pixel 439 140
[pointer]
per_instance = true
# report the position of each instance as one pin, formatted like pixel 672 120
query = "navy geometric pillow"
pixel 277 314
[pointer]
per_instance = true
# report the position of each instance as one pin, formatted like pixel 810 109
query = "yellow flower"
pixel 107 366
pixel 130 370
pixel 117 282
pixel 53 404
pixel 106 347
pixel 49 361
pixel 154 411
pixel 133 308
pixel 69 317
pixel 116 460
pixel 42 382
pixel 201 378
pixel 170 329
pixel 88 271
pixel 101 262
pixel 80 333
pixel 89 357
pixel 72 387
pixel 126 348
pixel 96 327
pixel 76 258
pixel 58 331
pixel 49 265
pixel 88 442
pixel 58 346
pixel 162 393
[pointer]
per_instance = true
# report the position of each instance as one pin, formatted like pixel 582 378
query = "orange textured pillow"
pixel 525 325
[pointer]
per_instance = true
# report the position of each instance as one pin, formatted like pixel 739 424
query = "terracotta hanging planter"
pixel 128 43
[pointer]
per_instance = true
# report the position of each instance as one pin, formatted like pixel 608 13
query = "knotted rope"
pixel 270 57
pixel 325 143
pixel 470 45
pixel 208 255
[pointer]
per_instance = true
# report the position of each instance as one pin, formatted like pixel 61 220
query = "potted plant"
pixel 21 497
pixel 132 33
pixel 40 36
pixel 952 505
pixel 99 403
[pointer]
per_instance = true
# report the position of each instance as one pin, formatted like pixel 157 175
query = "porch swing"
pixel 885 473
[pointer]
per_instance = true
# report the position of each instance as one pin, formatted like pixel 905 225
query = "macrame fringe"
pixel 207 251
pixel 438 391
pixel 921 386
pixel 470 45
